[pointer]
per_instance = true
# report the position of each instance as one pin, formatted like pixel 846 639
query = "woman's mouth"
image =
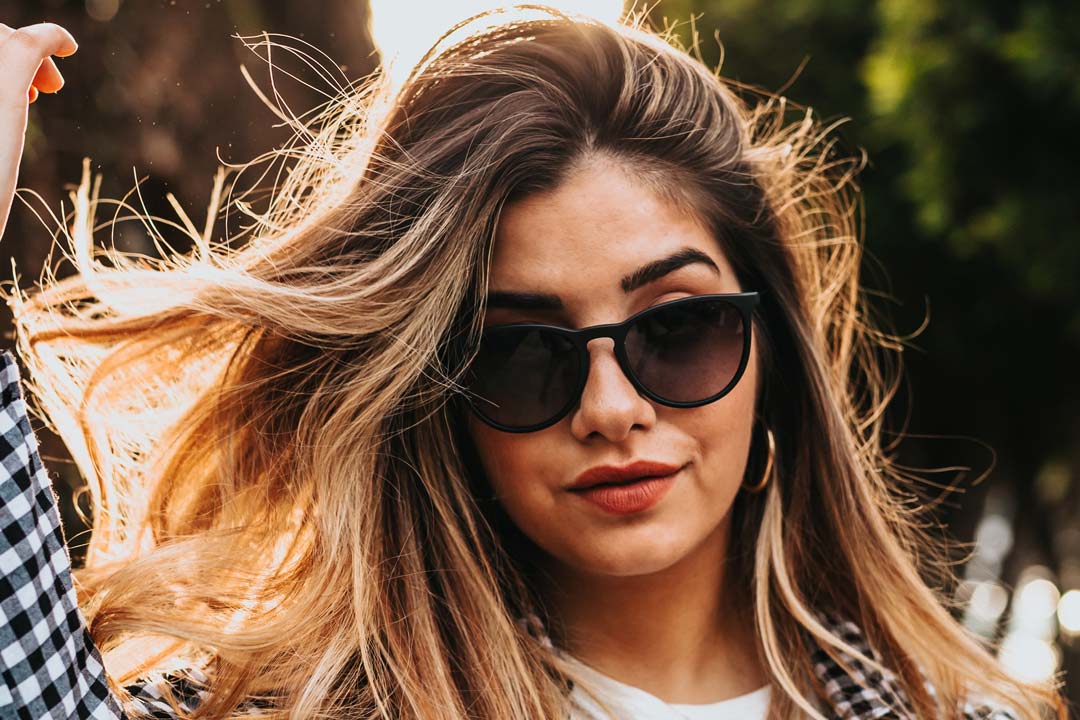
pixel 611 475
pixel 628 496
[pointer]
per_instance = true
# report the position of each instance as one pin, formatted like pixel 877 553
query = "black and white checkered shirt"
pixel 51 668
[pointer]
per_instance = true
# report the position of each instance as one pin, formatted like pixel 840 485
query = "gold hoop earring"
pixel 760 485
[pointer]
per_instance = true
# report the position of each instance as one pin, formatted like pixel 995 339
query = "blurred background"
pixel 968 110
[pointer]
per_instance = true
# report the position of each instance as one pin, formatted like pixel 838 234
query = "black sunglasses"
pixel 684 353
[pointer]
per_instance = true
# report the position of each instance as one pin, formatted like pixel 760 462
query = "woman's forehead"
pixel 600 224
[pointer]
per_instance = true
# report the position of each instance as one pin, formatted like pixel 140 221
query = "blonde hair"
pixel 269 425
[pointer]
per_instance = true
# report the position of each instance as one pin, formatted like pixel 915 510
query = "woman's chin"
pixel 625 558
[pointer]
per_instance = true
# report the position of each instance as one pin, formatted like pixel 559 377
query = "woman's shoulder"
pixel 857 689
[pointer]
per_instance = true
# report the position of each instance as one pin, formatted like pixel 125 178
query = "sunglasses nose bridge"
pixel 593 345
pixel 590 342
pixel 608 343
pixel 614 334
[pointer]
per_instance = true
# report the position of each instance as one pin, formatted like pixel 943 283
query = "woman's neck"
pixel 684 634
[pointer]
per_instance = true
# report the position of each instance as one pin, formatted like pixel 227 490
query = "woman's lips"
pixel 631 497
pixel 626 489
pixel 616 475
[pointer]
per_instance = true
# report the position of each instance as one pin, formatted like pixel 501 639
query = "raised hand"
pixel 28 69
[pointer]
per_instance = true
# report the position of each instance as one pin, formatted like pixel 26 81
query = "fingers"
pixel 48 38
pixel 24 55
pixel 26 69
pixel 48 78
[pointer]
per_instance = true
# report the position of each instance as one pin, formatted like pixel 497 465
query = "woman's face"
pixel 578 242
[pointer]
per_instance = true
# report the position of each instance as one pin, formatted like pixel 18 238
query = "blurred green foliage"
pixel 986 101
pixel 979 101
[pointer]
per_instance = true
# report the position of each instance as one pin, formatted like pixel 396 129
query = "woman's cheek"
pixel 508 459
pixel 524 475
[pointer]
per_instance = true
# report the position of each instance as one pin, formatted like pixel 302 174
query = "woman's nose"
pixel 610 404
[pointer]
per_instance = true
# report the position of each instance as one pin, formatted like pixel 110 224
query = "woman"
pixel 361 465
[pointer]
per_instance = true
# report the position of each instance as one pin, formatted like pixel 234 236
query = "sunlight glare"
pixel 1029 658
pixel 1068 612
pixel 403 33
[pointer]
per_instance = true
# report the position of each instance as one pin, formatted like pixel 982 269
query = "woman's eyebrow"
pixel 657 269
pixel 650 272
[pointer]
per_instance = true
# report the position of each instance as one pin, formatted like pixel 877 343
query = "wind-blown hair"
pixel 271 430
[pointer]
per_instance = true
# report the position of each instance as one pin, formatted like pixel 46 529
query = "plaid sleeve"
pixel 988 710
pixel 859 692
pixel 49 664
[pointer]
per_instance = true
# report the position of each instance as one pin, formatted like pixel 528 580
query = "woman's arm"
pixel 28 69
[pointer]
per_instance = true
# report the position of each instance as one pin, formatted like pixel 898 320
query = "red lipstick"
pixel 628 489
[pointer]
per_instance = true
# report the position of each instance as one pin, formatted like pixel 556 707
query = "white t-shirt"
pixel 634 703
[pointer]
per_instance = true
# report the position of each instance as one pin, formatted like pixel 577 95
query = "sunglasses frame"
pixel 744 302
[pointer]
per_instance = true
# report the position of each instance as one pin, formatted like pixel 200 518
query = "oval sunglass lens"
pixel 523 376
pixel 687 352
